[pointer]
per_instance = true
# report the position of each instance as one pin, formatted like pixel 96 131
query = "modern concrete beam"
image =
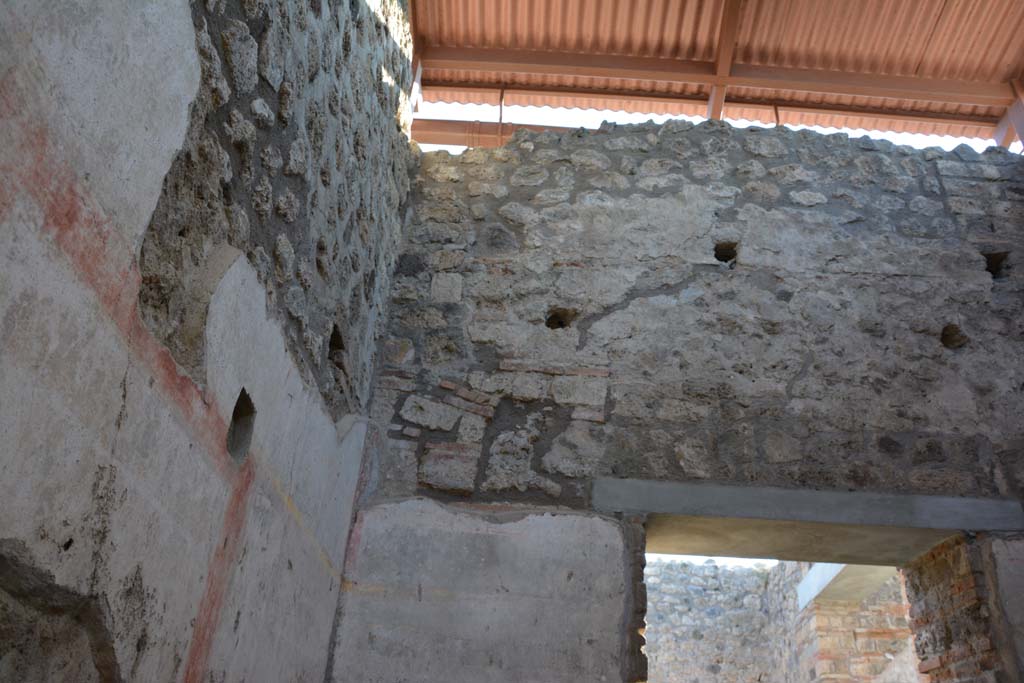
pixel 825 526
pixel 828 507
pixel 831 581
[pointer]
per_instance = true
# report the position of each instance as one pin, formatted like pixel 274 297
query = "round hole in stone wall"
pixel 726 251
pixel 952 337
pixel 560 318
pixel 243 418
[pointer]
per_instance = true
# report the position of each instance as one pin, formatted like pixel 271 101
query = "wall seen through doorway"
pixel 723 620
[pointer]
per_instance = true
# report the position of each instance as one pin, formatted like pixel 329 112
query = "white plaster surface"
pixel 315 462
pixel 93 456
pixel 1009 561
pixel 101 483
pixel 115 79
pixel 104 482
pixel 439 593
pixel 816 580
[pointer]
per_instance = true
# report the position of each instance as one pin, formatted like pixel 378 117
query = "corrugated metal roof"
pixel 963 40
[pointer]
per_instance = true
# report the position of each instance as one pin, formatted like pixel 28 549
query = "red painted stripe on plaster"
pixel 355 536
pixel 105 262
pixel 218 577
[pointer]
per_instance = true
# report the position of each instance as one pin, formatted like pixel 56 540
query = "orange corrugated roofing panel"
pixel 969 40
pixel 655 28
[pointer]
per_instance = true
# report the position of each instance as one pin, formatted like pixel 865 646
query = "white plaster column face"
pixel 112 86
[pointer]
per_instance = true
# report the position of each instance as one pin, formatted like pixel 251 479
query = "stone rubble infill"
pixel 298 156
pixel 450 466
pixel 429 414
pixel 461 404
pixel 704 303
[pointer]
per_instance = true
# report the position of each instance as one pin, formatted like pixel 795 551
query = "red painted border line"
pixel 218 577
pixel 103 260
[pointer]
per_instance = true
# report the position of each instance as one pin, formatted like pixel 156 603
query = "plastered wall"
pixel 143 287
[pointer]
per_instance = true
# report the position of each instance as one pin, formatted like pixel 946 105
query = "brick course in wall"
pixel 950 614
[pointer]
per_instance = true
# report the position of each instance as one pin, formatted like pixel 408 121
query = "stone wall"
pixel 964 610
pixel 155 526
pixel 706 303
pixel 737 624
pixel 708 623
pixel 298 155
pixel 788 631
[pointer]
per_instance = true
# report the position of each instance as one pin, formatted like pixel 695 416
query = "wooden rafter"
pixel 502 61
pixel 469 133
pixel 633 101
pixel 728 30
pixel 490 134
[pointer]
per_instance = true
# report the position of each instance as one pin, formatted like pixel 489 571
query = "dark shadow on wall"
pixel 297 154
pixel 49 632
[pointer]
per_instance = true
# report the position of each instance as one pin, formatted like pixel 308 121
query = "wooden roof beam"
pixel 716 102
pixel 568 64
pixel 628 101
pixel 871 85
pixel 910 117
pixel 500 61
pixel 492 134
pixel 470 133
pixel 728 30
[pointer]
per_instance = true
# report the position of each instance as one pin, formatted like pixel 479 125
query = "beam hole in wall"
pixel 336 347
pixel 560 318
pixel 243 419
pixel 952 337
pixel 995 262
pixel 322 259
pixel 726 251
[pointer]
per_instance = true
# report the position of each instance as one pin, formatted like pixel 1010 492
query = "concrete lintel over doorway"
pixel 822 526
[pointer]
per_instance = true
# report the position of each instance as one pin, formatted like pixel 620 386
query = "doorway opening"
pixel 767 621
